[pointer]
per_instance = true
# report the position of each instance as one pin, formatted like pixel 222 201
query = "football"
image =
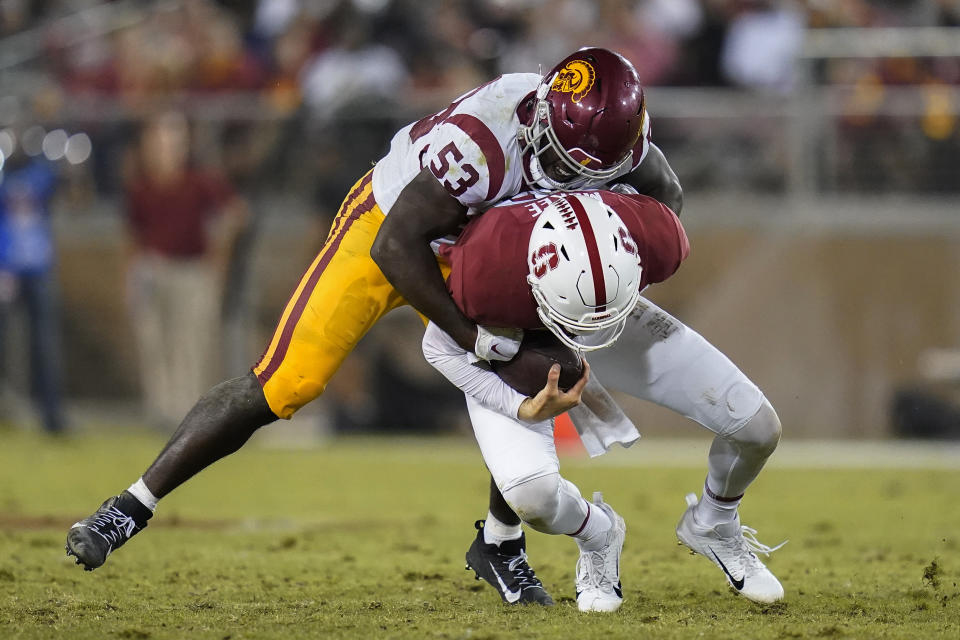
pixel 540 349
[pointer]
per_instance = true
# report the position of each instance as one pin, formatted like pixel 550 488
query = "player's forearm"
pixel 423 212
pixel 411 267
pixel 669 193
pixel 474 379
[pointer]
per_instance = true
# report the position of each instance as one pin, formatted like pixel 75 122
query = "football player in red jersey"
pixel 569 262
pixel 575 263
pixel 584 123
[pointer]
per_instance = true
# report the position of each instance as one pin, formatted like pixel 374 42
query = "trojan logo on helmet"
pixel 576 77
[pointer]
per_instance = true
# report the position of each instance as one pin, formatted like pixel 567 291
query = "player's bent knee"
pixel 537 501
pixel 238 399
pixel 761 433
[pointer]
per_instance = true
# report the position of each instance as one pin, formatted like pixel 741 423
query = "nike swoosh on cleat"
pixel 493 348
pixel 737 584
pixel 509 596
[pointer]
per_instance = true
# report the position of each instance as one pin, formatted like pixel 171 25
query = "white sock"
pixel 495 532
pixel 593 532
pixel 713 509
pixel 144 495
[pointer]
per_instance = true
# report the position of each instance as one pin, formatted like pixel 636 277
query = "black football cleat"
pixel 505 568
pixel 117 520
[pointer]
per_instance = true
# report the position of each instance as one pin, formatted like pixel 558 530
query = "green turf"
pixel 365 539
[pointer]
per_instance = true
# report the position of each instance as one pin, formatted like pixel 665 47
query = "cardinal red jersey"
pixel 488 263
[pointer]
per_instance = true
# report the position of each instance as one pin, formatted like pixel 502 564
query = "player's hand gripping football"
pixel 551 401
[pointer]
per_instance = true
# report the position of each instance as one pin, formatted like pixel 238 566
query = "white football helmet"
pixel 584 271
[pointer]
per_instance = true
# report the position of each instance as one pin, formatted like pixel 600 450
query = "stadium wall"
pixel 825 304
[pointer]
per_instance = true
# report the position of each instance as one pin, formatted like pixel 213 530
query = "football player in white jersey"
pixel 582 124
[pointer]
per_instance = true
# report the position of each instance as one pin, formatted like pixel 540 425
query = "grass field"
pixel 365 539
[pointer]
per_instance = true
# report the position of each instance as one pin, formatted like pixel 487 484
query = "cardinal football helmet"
pixel 584 271
pixel 589 111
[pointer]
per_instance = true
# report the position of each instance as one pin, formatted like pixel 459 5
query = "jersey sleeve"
pixel 661 239
pixel 473 378
pixel 466 158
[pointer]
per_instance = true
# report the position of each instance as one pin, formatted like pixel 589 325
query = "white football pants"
pixel 661 360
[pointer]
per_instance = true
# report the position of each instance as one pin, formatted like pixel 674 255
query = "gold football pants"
pixel 340 297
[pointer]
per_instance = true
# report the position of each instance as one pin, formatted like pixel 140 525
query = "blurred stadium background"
pixel 818 143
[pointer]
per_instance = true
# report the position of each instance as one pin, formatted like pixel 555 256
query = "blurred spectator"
pixel 552 29
pixel 16 15
pixel 677 18
pixel 630 32
pixel 176 267
pixel 273 17
pixel 762 44
pixel 351 92
pixel 221 63
pixel 27 264
pixel 354 70
pixel 288 53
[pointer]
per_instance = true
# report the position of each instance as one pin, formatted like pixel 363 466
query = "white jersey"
pixel 471 147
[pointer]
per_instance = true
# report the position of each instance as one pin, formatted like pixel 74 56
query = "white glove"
pixel 624 189
pixel 497 344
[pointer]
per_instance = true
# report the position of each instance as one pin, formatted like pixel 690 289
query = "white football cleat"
pixel 734 548
pixel 598 572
